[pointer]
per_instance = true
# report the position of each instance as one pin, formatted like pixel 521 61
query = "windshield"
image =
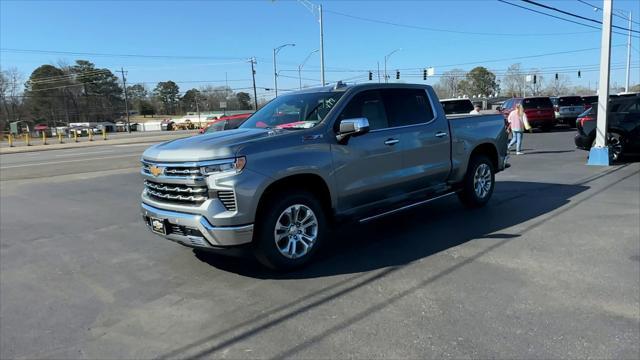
pixel 296 111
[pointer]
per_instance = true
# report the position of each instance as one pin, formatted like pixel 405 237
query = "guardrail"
pixel 28 139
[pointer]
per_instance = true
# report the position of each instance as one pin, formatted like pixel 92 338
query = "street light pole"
pixel 301 65
pixel 275 71
pixel 386 77
pixel 321 46
pixel 312 8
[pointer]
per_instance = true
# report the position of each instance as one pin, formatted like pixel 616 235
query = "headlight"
pixel 225 167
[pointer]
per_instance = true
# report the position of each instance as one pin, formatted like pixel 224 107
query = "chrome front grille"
pixel 228 199
pixel 170 170
pixel 177 192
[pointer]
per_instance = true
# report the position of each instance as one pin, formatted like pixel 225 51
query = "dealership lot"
pixel 550 268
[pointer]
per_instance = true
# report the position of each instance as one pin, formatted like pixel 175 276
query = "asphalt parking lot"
pixel 549 269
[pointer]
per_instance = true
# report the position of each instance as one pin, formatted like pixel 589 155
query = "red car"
pixel 225 123
pixel 539 111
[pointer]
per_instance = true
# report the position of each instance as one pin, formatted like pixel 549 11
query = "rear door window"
pixel 407 106
pixel 537 103
pixel 457 107
pixel 570 101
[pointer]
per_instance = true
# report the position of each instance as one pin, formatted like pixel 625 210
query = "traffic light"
pixel 535 77
pixel 556 76
pixel 579 74
pixel 370 76
pixel 424 74
pixel 397 75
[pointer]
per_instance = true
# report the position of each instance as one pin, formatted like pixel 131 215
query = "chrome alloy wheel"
pixel 482 181
pixel 296 231
pixel 615 146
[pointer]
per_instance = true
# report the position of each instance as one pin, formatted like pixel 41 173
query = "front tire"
pixel 289 230
pixel 478 183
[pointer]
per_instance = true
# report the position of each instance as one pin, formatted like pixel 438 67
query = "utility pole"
pixel 321 46
pixel 626 83
pixel 253 74
pixel 599 154
pixel 378 72
pixel 198 109
pixel 126 100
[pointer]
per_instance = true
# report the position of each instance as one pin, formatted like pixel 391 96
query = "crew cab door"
pixel 367 168
pixel 424 139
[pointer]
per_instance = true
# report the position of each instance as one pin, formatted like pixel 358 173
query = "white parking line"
pixel 85 153
pixel 69 161
pixel 134 145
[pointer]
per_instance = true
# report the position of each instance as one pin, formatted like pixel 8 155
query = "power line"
pixel 575 15
pixel 558 17
pixel 416 27
pixel 32 51
pixel 614 14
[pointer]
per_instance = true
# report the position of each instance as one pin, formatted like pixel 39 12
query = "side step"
pixel 406 207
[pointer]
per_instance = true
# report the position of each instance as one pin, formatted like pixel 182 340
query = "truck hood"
pixel 216 145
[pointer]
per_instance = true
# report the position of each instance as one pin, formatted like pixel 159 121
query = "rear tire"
pixel 478 184
pixel 616 143
pixel 289 230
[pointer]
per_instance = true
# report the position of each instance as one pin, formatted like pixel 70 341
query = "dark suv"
pixel 623 126
pixel 539 111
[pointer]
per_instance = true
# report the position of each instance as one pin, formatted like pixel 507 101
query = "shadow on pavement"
pixel 416 234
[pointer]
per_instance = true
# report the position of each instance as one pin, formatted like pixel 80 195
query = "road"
pixel 549 269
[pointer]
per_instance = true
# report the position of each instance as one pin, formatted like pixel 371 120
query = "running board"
pixel 367 219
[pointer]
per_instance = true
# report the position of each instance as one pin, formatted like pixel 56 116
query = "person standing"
pixel 476 109
pixel 517 120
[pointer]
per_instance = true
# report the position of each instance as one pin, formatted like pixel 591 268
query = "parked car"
pixel 358 152
pixel 225 123
pixel 456 106
pixel 568 109
pixel 623 126
pixel 588 100
pixel 539 111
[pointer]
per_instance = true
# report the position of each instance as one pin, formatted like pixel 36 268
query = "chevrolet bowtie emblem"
pixel 155 170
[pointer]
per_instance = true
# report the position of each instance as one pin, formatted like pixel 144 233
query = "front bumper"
pixel 195 230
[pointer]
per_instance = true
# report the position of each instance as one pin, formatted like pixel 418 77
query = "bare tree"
pixel 513 81
pixel 536 84
pixel 450 80
pixel 10 94
pixel 559 86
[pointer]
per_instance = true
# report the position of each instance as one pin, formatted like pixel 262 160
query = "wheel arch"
pixel 310 182
pixel 489 150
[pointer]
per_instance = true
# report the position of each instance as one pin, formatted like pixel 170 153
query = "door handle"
pixel 441 134
pixel 391 142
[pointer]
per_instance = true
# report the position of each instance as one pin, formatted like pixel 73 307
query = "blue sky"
pixel 227 32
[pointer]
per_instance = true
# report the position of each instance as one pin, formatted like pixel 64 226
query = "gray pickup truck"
pixel 311 158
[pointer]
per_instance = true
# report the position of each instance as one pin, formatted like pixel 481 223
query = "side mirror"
pixel 352 127
pixel 499 108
